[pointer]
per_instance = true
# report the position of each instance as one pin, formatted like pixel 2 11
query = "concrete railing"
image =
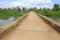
pixel 51 22
pixel 9 26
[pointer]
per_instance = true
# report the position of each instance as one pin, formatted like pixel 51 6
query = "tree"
pixel 56 7
pixel 30 9
pixel 9 8
pixel 59 7
pixel 0 8
pixel 24 8
pixel 18 8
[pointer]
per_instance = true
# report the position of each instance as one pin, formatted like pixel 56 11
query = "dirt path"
pixel 33 28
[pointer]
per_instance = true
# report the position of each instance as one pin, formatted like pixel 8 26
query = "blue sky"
pixel 28 3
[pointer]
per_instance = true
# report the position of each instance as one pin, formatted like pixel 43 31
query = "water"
pixel 3 22
pixel 57 20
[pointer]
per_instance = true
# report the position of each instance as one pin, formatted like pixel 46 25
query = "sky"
pixel 28 3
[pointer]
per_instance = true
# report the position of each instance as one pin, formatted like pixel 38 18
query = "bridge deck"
pixel 33 28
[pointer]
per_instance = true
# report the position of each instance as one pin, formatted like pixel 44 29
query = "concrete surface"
pixel 32 28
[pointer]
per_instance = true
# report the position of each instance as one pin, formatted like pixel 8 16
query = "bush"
pixel 7 13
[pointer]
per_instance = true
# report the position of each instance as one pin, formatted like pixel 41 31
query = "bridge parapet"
pixel 10 25
pixel 51 22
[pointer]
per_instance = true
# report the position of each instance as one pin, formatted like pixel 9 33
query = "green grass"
pixel 7 13
pixel 49 13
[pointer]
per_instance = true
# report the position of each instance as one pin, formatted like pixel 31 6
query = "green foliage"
pixel 56 7
pixel 7 13
pixel 32 9
pixel 52 13
pixel 24 8
pixel 48 12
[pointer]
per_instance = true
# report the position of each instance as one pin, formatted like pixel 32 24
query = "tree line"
pixel 17 11
pixel 52 13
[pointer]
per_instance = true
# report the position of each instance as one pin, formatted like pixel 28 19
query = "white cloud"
pixel 40 1
pixel 14 4
pixel 35 3
pixel 28 3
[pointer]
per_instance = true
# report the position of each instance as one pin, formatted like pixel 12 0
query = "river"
pixel 57 20
pixel 3 22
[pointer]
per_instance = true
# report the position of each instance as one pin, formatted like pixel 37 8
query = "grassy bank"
pixel 7 13
pixel 49 13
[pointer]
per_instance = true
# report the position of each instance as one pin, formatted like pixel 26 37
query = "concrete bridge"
pixel 33 27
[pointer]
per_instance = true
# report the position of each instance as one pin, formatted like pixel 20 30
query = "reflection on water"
pixel 57 20
pixel 3 22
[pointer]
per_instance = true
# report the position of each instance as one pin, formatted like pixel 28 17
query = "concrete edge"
pixel 51 22
pixel 10 25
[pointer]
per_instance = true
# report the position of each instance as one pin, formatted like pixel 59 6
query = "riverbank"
pixel 55 15
pixel 7 13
